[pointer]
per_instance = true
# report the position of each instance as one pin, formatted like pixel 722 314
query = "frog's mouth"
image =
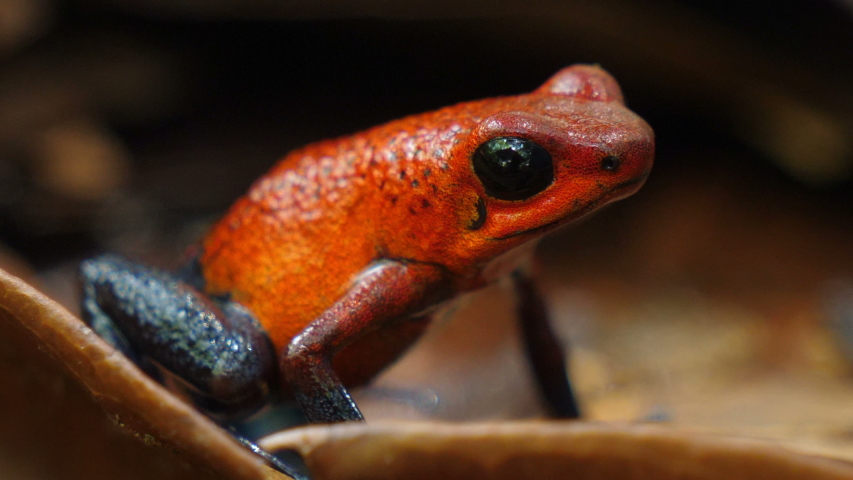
pixel 580 212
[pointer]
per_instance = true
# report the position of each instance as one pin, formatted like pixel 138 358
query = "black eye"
pixel 513 168
pixel 611 163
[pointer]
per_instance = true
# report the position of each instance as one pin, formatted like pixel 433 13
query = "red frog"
pixel 330 266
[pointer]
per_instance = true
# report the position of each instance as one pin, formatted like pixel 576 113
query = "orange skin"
pixel 307 231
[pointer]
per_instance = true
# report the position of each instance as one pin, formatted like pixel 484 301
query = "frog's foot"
pixel 288 462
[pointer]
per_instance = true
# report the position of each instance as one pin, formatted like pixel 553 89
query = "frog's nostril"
pixel 611 163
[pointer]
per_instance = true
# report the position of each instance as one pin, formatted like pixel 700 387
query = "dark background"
pixel 719 296
pixel 186 103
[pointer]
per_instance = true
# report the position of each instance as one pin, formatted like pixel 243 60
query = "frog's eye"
pixel 513 168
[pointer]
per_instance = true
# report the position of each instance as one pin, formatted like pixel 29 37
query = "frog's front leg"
pixel 218 352
pixel 387 291
pixel 544 349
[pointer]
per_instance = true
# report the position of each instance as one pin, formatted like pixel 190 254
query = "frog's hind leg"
pixel 104 326
pixel 217 352
pixel 544 350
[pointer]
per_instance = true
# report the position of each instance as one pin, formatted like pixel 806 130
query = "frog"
pixel 337 259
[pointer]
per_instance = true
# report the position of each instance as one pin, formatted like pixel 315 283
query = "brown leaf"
pixel 51 428
pixel 543 450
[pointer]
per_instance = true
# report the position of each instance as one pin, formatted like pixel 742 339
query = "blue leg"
pixel 544 350
pixel 217 350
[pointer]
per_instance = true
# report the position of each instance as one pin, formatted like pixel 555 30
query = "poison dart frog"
pixel 333 263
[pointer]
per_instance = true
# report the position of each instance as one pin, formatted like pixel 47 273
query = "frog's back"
pixel 281 251
pixel 291 246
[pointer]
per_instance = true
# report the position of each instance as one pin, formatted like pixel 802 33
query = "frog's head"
pixel 550 157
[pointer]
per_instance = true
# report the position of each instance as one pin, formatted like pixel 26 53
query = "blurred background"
pixel 720 296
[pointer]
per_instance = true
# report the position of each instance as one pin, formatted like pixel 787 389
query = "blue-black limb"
pixel 286 461
pixel 546 354
pixel 216 350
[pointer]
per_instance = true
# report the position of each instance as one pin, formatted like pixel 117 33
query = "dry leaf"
pixel 542 450
pixel 53 429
